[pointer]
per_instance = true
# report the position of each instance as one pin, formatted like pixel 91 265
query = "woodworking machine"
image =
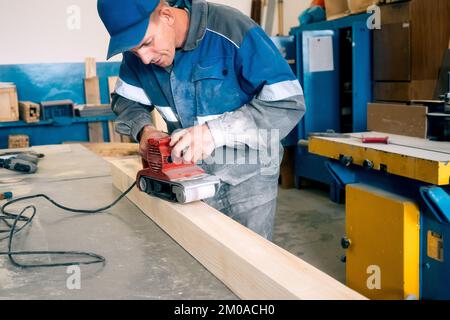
pixel 397 213
pixel 163 178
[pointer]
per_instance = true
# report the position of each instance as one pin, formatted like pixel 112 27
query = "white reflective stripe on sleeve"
pixel 132 92
pixel 167 113
pixel 280 91
pixel 202 119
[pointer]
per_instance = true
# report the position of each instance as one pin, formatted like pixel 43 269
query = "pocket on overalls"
pixel 216 88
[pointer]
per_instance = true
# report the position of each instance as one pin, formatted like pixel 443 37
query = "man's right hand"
pixel 149 132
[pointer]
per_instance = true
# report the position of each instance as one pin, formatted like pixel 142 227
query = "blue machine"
pixel 60 81
pixel 337 97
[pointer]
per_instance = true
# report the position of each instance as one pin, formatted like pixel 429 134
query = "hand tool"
pixel 20 165
pixel 6 195
pixel 25 162
pixel 182 183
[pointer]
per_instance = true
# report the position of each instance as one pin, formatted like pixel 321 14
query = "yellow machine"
pixel 397 213
pixel 383 231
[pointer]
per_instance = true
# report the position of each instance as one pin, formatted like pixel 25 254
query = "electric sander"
pixel 182 183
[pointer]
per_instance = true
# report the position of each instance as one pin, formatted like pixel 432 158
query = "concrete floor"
pixel 310 226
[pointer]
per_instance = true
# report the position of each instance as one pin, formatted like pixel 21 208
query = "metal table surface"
pixel 142 261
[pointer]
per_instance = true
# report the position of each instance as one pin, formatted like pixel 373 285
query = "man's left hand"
pixel 191 145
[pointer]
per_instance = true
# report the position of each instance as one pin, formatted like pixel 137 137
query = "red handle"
pixel 384 140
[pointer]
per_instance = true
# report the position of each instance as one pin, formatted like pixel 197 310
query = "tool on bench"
pixel 6 195
pixel 163 178
pixel 332 134
pixel 25 162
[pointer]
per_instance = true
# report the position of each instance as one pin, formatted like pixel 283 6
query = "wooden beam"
pixel 92 91
pixel 113 149
pixel 90 68
pixel 112 85
pixel 113 135
pixel 96 132
pixel 251 266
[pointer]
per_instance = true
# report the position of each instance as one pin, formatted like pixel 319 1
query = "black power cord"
pixel 11 220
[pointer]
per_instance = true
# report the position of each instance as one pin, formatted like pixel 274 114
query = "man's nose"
pixel 146 57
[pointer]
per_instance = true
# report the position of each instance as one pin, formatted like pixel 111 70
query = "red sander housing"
pixel 182 183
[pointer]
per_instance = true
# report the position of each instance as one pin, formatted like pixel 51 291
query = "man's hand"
pixel 191 145
pixel 149 132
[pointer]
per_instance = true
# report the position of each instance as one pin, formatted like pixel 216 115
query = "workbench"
pixel 142 261
pixel 397 213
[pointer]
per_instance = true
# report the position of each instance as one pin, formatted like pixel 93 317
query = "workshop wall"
pixel 50 31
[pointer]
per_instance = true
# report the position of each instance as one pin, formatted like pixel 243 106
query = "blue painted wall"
pixel 59 81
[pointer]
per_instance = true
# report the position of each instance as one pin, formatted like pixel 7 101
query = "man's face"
pixel 158 45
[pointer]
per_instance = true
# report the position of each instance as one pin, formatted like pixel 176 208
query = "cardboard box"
pixel 18 141
pixel 360 6
pixel 29 112
pixel 9 104
pixel 336 9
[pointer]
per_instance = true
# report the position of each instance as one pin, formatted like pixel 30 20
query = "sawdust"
pixel 7 278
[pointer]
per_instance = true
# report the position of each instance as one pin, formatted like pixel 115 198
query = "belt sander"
pixel 182 183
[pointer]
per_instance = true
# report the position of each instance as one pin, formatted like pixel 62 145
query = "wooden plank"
pixel 92 91
pixel 113 135
pixel 90 68
pixel 390 118
pixel 96 132
pixel 287 168
pixel 112 85
pixel 113 149
pixel 9 104
pixel 126 139
pixel 251 266
pixel 404 91
pixel 158 121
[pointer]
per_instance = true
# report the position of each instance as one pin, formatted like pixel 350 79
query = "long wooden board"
pixel 251 266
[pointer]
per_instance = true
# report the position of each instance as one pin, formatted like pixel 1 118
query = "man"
pixel 212 72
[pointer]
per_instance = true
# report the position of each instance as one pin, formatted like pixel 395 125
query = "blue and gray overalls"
pixel 230 76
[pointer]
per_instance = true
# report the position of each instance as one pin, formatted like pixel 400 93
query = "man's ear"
pixel 166 15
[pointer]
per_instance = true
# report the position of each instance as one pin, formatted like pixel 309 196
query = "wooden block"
pixel 251 266
pixel 92 90
pixel 397 119
pixel 336 9
pixel 9 105
pixel 90 68
pixel 359 6
pixel 18 141
pixel 95 132
pixel 287 168
pixel 29 112
pixel 112 85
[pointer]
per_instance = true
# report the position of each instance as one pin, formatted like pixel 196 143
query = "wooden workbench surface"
pixel 142 262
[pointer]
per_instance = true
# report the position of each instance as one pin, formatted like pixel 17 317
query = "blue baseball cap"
pixel 126 21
